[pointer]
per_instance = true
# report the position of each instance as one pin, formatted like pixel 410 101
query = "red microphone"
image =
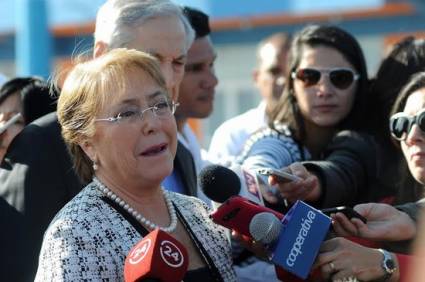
pixel 237 212
pixel 157 257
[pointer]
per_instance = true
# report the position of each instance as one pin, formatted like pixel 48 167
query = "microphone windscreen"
pixel 219 183
pixel 265 228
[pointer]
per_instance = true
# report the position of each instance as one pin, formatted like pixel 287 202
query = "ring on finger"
pixel 332 266
pixel 348 279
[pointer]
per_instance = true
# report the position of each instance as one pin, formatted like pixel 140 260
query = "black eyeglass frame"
pixel 411 121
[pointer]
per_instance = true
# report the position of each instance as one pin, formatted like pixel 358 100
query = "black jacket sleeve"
pixel 412 209
pixel 348 169
pixel 185 167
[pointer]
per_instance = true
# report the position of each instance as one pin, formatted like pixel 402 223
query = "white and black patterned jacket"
pixel 88 239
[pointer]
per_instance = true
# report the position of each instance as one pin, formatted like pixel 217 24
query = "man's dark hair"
pixel 198 20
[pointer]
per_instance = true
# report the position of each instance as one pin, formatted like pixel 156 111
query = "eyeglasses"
pixel 341 78
pixel 401 124
pixel 163 109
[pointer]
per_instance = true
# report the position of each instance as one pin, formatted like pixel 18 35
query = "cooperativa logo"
pixel 299 241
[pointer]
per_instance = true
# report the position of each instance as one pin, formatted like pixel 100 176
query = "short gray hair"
pixel 116 18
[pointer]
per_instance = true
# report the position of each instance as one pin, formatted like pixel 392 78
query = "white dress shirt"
pixel 229 138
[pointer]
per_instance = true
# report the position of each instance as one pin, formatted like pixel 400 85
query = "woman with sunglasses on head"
pixel 324 92
pixel 342 258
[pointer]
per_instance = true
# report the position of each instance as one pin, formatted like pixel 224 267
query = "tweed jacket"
pixel 89 240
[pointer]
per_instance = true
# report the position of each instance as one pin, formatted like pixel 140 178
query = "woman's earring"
pixel 95 166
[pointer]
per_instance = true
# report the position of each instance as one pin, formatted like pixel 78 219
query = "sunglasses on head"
pixel 341 78
pixel 401 124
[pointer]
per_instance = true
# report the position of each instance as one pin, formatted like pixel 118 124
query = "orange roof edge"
pixel 390 9
pixel 387 10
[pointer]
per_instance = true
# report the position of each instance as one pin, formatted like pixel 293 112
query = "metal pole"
pixel 33 41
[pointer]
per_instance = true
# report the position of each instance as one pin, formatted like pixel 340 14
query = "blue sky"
pixel 59 12
pixel 62 12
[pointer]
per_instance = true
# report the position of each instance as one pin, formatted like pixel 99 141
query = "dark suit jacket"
pixel 185 166
pixel 36 181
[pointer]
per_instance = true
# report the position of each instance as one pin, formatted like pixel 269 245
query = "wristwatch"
pixel 388 265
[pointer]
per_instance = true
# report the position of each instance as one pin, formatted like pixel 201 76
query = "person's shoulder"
pixel 280 133
pixel 79 211
pixel 36 133
pixel 352 138
pixel 272 142
pixel 187 202
pixel 39 127
pixel 238 122
pixel 354 134
pixel 39 144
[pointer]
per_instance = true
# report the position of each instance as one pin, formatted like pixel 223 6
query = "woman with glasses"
pixel 342 258
pixel 117 120
pixel 324 92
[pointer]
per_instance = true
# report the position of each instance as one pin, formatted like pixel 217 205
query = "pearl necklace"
pixel 136 214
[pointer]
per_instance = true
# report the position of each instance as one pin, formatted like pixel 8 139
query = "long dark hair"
pixel 286 109
pixel 410 190
pixel 405 59
pixel 388 93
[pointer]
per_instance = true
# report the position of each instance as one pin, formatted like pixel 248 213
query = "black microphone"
pixel 293 242
pixel 239 194
pixel 220 183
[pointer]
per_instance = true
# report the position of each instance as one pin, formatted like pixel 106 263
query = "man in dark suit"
pixel 36 176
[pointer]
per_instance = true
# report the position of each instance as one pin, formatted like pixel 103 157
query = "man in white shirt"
pixel 229 138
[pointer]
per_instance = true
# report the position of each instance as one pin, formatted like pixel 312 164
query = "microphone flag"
pixel 303 231
pixel 157 256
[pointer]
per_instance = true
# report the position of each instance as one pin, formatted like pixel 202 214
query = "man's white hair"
pixel 117 18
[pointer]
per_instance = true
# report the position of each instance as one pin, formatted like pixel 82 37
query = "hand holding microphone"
pixel 157 257
pixel 219 183
pixel 237 212
pixel 293 242
pixel 239 194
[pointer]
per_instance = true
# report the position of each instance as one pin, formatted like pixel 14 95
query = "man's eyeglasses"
pixel 401 124
pixel 341 78
pixel 163 109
